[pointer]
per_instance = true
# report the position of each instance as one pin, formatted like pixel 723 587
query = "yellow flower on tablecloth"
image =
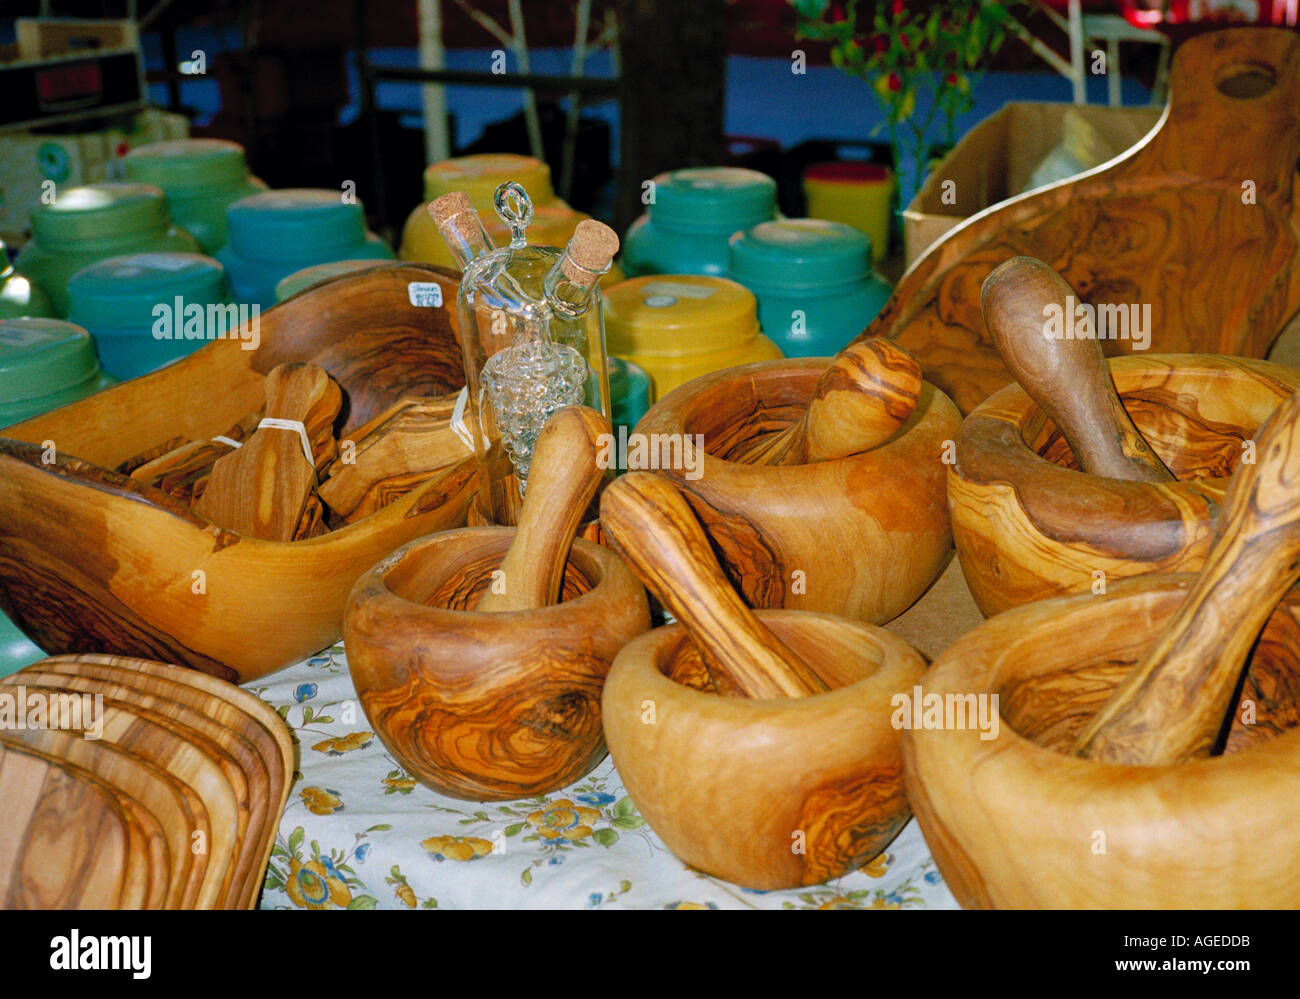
pixel 407 894
pixel 458 847
pixel 880 903
pixel 311 886
pixel 563 820
pixel 839 902
pixel 345 743
pixel 319 801
pixel 877 866
pixel 401 784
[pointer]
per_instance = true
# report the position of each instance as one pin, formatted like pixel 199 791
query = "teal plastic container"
pixel 308 276
pixel 200 177
pixel 275 233
pixel 16 649
pixel 146 310
pixel 18 296
pixel 86 224
pixel 813 280
pixel 629 393
pixel 693 214
pixel 44 364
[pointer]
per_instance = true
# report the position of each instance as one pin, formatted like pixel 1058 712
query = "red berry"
pixel 951 79
pixel 899 7
pixel 895 84
pixel 904 40
pixel 881 43
pixel 837 13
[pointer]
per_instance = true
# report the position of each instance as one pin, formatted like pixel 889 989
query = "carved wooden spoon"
pixel 868 391
pixel 652 526
pixel 1067 378
pixel 1171 707
pixel 564 477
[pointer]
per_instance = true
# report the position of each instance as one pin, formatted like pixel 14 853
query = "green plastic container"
pixel 146 310
pixel 275 233
pixel 16 649
pixel 693 214
pixel 18 296
pixel 629 393
pixel 44 364
pixel 308 276
pixel 86 224
pixel 813 280
pixel 200 178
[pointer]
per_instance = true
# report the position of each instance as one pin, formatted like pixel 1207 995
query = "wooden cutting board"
pixel 240 761
pixel 65 842
pixel 1197 222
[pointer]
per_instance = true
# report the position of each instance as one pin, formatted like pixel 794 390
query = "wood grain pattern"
pixel 649 524
pixel 734 785
pixel 1013 821
pixel 1067 377
pixel 865 394
pixel 487 707
pixel 1028 524
pixel 565 476
pixel 181 472
pixel 1171 707
pixel 90 564
pixel 866 535
pixel 1171 224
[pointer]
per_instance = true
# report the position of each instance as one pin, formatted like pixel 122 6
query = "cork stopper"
pixel 589 253
pixel 461 228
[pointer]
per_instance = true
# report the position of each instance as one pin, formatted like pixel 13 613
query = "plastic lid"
pixel 847 172
pixel 296 223
pixel 712 199
pixel 121 293
pixel 308 276
pixel 182 164
pixel 40 357
pixel 479 176
pixel 676 315
pixel 799 254
pixel 100 213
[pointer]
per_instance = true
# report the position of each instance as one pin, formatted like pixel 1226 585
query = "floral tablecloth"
pixel 360 833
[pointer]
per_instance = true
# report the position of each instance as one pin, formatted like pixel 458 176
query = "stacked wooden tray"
pixel 130 784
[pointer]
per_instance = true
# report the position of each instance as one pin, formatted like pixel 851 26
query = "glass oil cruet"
pixel 532 335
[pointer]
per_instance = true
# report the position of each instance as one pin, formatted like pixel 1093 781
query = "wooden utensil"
pixel 565 476
pixel 64 839
pixel 1066 376
pixel 651 525
pixel 263 488
pixel 182 471
pixel 1197 220
pixel 869 390
pixel 403 447
pixel 1171 707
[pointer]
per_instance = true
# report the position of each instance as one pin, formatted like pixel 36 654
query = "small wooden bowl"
pixel 488 706
pixel 1013 822
pixel 1028 524
pixel 765 793
pixel 862 536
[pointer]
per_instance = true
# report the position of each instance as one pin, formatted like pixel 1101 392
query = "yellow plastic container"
pixel 680 326
pixel 857 194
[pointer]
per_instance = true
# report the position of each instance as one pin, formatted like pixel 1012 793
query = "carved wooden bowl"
pixel 488 706
pixel 1014 822
pixel 1029 525
pixel 765 793
pixel 93 561
pixel 861 536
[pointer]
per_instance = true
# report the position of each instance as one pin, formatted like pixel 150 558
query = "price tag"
pixel 424 294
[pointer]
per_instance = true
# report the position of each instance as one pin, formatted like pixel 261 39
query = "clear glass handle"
pixel 516 210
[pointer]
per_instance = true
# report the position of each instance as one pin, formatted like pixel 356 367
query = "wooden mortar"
pixel 861 536
pixel 1017 822
pixel 1029 525
pixel 488 706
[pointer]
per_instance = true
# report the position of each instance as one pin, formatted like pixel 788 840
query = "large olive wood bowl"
pixel 1028 524
pixel 862 536
pixel 765 793
pixel 488 706
pixel 1014 822
pixel 92 561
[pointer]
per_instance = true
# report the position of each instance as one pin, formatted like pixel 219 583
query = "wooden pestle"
pixel 867 392
pixel 1067 378
pixel 1172 706
pixel 565 476
pixel 653 528
pixel 263 488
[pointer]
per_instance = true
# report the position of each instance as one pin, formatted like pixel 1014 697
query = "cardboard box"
pixel 998 157
pixel 28 159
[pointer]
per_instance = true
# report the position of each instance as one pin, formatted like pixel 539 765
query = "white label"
pixel 424 294
pixel 676 289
